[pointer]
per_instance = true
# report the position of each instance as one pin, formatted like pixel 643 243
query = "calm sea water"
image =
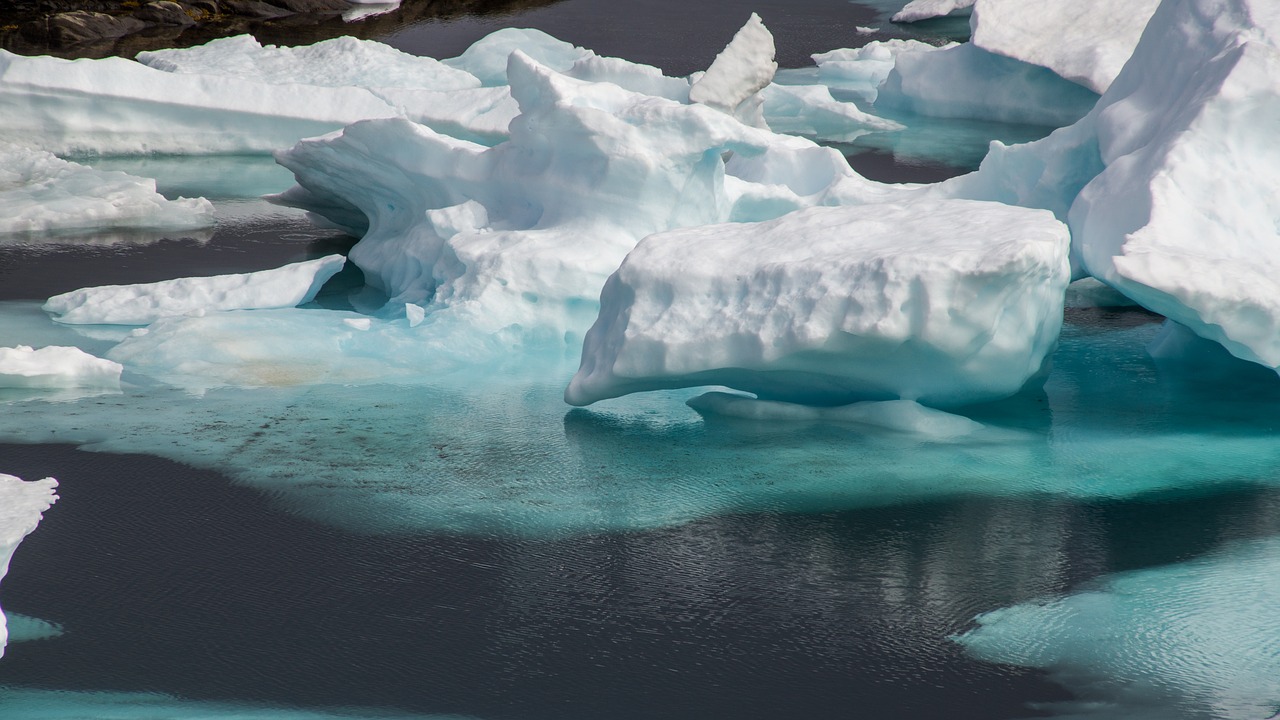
pixel 184 591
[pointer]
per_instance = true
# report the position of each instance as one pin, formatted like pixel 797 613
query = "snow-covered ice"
pixel 947 303
pixel 22 506
pixel 41 193
pixel 917 10
pixel 1169 185
pixel 118 106
pixel 340 62
pixel 744 68
pixel 142 304
pixel 522 235
pixel 54 367
pixel 1085 41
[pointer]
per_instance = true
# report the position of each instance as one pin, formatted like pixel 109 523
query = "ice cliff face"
pixel 22 505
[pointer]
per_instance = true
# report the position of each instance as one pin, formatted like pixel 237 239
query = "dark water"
pixel 173 580
pixel 170 580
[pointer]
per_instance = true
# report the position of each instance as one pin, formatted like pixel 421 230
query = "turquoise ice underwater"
pixel 488 448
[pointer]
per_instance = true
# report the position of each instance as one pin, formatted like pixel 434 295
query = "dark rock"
pixel 79 26
pixel 253 9
pixel 210 7
pixel 164 12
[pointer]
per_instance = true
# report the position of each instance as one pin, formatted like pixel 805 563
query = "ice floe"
pixel 947 303
pixel 41 194
pixel 917 10
pixel 22 506
pixel 55 367
pixel 286 286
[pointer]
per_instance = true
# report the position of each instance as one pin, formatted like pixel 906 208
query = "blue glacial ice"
pixel 1192 640
pixel 22 506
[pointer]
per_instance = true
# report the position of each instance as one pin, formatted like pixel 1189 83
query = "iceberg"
pixel 22 506
pixel 40 194
pixel 522 235
pixel 1195 639
pixel 918 10
pixel 948 303
pixel 1169 184
pixel 1086 42
pixel 143 304
pixel 55 367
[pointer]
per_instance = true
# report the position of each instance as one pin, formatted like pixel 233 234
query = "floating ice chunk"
pixel 415 314
pixel 487 57
pixel 917 10
pixel 340 62
pixel 22 506
pixel 862 70
pixel 744 68
pixel 965 81
pixel 286 286
pixel 901 415
pixel 947 303
pixel 1156 643
pixel 861 30
pixel 117 106
pixel 55 366
pixel 40 193
pixel 1084 41
pixel 368 8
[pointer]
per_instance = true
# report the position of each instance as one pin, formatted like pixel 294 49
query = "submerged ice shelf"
pixel 1191 640
pixel 471 447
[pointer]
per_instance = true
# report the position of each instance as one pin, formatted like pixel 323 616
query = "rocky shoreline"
pixel 102 28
